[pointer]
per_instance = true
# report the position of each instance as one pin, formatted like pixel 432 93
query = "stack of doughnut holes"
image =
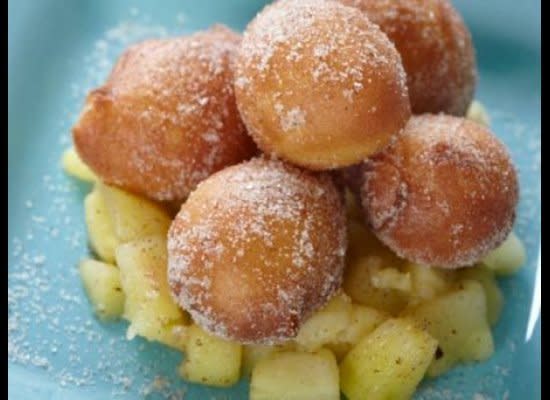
pixel 254 135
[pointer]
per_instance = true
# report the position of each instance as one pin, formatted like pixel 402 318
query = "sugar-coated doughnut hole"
pixel 256 249
pixel 436 49
pixel 166 118
pixel 444 194
pixel 319 85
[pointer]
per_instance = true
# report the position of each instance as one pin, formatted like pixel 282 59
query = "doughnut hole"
pixel 166 118
pixel 319 85
pixel 436 49
pixel 444 194
pixel 256 249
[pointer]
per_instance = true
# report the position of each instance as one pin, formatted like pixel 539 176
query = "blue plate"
pixel 60 49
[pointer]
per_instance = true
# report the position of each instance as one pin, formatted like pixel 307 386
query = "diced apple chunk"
pixel 389 278
pixel 296 376
pixel 362 322
pixel 100 227
pixel 174 335
pixel 326 324
pixel 458 320
pixel 429 282
pixel 493 294
pixel 254 353
pixel 102 284
pixel 210 360
pixel 366 279
pixel 134 217
pixel 477 112
pixel 508 258
pixel 359 286
pixel 388 363
pixel 74 166
pixel 149 306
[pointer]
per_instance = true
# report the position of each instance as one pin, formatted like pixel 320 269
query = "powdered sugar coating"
pixel 444 194
pixel 256 249
pixel 318 84
pixel 436 49
pixel 166 117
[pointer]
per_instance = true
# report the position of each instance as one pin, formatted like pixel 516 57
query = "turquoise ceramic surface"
pixel 60 49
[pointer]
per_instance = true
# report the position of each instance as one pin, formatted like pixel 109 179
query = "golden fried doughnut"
pixel 166 117
pixel 256 249
pixel 319 85
pixel 444 194
pixel 436 48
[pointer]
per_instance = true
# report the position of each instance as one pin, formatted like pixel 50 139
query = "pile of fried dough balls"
pixel 257 136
